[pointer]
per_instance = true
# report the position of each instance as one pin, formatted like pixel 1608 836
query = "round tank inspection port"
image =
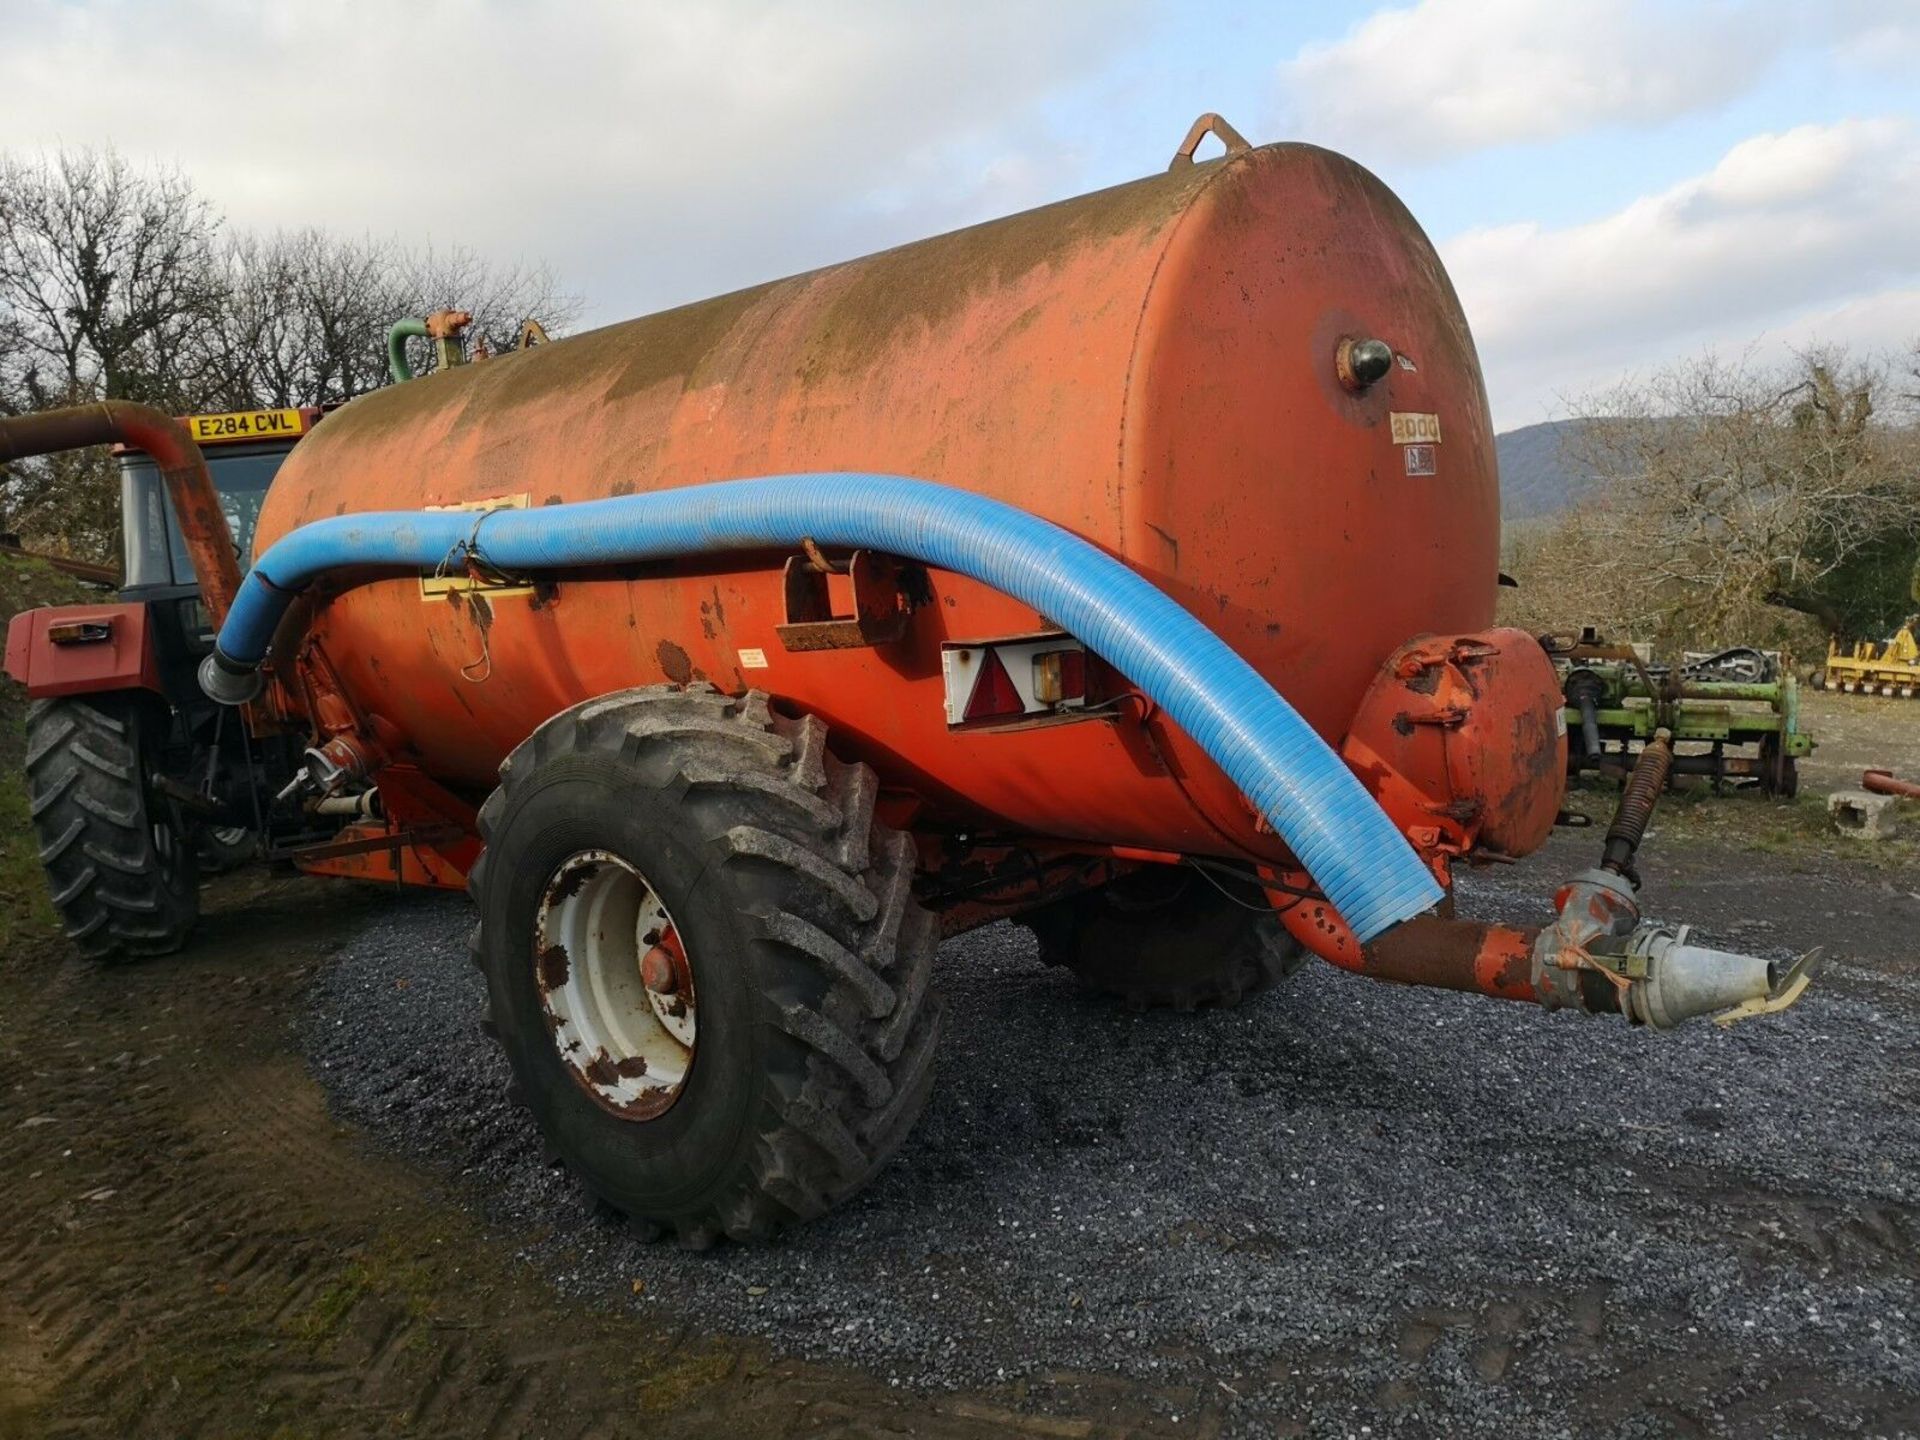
pixel 1362 363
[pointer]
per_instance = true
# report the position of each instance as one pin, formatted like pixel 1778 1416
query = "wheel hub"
pixel 614 980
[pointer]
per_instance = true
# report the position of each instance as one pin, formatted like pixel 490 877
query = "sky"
pixel 1613 184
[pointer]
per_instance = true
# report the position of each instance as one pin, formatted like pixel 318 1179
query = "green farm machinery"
pixel 1734 714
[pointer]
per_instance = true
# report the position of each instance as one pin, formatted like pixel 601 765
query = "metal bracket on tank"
pixel 885 592
pixel 1207 124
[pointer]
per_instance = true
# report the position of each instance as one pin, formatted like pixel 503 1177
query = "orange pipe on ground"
pixel 1885 782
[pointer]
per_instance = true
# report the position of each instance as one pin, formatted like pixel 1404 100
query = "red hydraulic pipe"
pixel 203 523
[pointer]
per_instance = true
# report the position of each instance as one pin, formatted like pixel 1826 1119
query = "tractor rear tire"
pixel 120 863
pixel 754 865
pixel 1167 938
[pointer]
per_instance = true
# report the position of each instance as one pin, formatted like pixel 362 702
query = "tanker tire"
pixel 810 957
pixel 225 848
pixel 121 869
pixel 1189 948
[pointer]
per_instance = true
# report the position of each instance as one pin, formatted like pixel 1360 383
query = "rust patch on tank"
pixel 674 662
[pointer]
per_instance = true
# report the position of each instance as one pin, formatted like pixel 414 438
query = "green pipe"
pixel 1766 690
pixel 397 337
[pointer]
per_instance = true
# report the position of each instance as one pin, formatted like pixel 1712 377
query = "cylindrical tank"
pixel 1152 366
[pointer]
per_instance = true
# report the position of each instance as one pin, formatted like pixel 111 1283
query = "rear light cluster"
pixel 1014 679
pixel 81 632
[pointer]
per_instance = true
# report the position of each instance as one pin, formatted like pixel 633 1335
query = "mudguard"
pixel 82 649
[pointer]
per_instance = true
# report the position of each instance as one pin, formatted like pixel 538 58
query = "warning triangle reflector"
pixel 994 694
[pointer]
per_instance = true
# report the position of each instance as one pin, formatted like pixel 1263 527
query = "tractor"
pixel 137 781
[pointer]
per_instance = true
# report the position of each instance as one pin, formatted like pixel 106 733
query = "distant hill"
pixel 1536 478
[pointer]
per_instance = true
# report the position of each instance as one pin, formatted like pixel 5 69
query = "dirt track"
pixel 1581 1222
pixel 190 1246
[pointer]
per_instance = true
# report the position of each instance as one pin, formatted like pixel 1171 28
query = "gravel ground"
pixel 1346 1208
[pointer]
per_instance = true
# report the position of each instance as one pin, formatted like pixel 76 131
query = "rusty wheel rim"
pixel 615 983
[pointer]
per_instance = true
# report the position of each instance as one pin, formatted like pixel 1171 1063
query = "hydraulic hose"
pixel 1366 868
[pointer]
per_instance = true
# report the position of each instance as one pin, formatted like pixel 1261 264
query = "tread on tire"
pixel 121 870
pixel 809 954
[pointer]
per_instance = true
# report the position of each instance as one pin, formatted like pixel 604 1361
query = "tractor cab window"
pixel 155 552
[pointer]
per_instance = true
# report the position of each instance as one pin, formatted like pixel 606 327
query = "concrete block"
pixel 1863 814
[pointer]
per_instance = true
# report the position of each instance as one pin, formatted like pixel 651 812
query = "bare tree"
pixel 310 314
pixel 310 311
pixel 499 297
pixel 110 287
pixel 118 283
pixel 1730 492
pixel 109 282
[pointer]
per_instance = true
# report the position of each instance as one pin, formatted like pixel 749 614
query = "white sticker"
pixel 1560 722
pixel 753 659
pixel 1406 362
pixel 1420 460
pixel 1411 427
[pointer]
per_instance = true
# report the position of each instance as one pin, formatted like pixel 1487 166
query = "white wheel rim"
pixel 614 981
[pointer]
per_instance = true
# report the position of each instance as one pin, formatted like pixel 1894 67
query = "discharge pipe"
pixel 1338 831
pixel 1598 956
pixel 196 504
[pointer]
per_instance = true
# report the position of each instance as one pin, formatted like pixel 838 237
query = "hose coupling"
pixel 1600 956
pixel 1594 907
pixel 230 682
pixel 1670 979
pixel 330 768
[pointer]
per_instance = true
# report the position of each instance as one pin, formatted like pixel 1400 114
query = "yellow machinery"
pixel 1869 669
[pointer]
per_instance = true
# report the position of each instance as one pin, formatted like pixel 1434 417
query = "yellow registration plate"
pixel 245 425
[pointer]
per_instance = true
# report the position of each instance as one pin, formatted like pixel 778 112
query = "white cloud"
pixel 652 152
pixel 1445 76
pixel 1877 35
pixel 1813 233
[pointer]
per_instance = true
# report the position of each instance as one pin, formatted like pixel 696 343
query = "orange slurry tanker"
pixel 1126 567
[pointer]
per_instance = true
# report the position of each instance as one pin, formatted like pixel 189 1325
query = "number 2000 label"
pixel 1414 428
